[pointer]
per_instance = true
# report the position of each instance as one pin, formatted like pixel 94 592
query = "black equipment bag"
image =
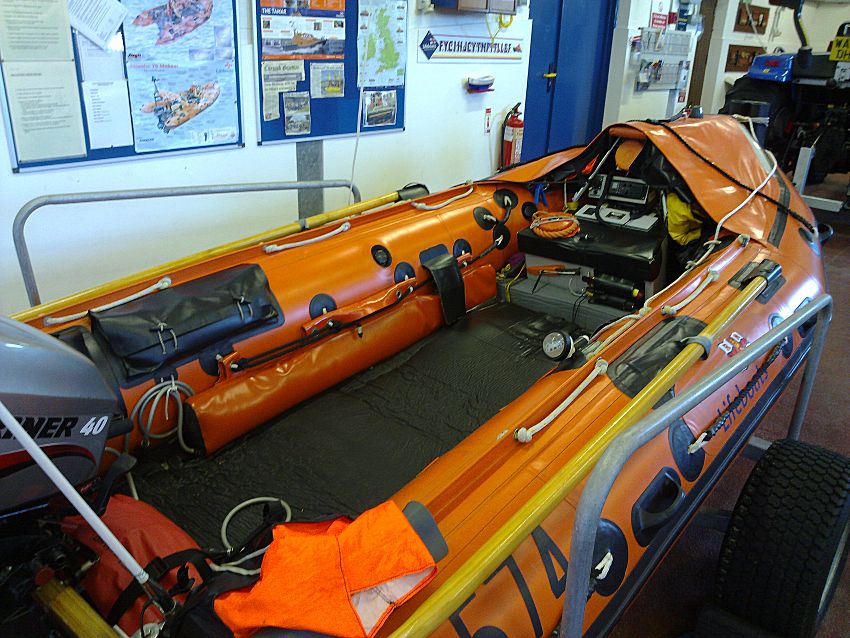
pixel 178 322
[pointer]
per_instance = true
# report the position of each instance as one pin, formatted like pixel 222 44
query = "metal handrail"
pixel 33 205
pixel 620 450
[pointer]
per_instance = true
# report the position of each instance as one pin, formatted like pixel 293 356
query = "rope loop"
pixel 560 225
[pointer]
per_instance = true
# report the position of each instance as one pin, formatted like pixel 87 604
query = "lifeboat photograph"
pixel 176 18
pixel 591 382
pixel 174 109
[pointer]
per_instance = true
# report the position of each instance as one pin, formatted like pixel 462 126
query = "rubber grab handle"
pixel 652 520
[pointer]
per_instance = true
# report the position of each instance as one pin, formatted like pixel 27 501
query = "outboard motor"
pixel 65 404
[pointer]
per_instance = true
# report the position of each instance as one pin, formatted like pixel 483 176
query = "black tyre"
pixel 788 540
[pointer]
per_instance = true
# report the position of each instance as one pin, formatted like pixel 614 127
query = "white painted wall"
pixel 622 102
pixel 819 20
pixel 77 247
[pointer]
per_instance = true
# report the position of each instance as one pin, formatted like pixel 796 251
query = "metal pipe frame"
pixel 801 169
pixel 33 205
pixel 822 203
pixel 609 466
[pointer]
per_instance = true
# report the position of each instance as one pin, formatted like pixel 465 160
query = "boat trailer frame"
pixel 608 468
pixel 33 205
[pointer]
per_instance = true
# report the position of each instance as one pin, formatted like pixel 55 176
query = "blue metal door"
pixel 572 39
pixel 545 29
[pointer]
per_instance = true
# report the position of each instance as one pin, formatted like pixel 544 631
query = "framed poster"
pixel 321 63
pixel 163 79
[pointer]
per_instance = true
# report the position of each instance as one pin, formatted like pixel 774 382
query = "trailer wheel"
pixel 787 540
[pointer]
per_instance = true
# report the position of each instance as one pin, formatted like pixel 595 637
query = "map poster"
pixel 302 29
pixel 182 74
pixel 381 43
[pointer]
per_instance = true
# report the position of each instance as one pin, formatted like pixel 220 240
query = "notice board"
pixel 316 58
pixel 97 80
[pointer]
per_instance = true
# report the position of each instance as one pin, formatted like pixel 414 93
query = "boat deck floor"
pixel 355 445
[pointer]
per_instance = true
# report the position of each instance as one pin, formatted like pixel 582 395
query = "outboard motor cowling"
pixel 62 401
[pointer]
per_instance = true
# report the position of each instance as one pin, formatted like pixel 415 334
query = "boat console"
pixel 606 269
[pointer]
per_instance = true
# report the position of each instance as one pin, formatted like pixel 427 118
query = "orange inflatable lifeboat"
pixel 473 352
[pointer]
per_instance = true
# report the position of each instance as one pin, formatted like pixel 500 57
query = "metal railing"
pixel 33 205
pixel 621 449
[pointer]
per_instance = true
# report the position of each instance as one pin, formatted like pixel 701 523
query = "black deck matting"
pixel 357 444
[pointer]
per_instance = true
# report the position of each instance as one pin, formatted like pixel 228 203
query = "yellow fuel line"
pixel 463 583
pixel 72 611
pixel 158 271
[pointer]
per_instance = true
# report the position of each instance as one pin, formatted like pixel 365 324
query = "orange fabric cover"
pixel 718 138
pixel 146 533
pixel 315 576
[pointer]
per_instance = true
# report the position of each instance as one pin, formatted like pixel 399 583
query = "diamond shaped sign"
pixel 429 45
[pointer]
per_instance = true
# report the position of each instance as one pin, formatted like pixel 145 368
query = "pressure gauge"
pixel 558 345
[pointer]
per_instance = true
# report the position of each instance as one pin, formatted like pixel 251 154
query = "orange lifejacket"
pixel 341 577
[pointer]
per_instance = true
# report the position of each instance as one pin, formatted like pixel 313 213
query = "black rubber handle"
pixel 648 520
pixel 119 468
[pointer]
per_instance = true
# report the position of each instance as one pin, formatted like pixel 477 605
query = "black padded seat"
pixel 614 251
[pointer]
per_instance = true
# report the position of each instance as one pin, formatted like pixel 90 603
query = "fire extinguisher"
pixel 512 130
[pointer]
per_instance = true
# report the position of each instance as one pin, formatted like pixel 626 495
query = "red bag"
pixel 147 534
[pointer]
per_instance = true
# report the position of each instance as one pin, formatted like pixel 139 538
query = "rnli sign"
pixel 456 44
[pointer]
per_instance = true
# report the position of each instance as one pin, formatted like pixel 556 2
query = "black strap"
pixel 446 273
pixel 156 569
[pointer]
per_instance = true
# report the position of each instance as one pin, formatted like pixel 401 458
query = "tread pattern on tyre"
pixel 780 541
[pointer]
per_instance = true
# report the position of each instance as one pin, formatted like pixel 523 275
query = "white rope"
pixel 251 501
pixel 523 435
pixel 233 566
pixel 604 566
pixel 599 347
pixel 450 200
pixel 150 401
pixel 275 248
pixel 711 277
pixel 752 24
pixel 163 283
pixel 774 26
